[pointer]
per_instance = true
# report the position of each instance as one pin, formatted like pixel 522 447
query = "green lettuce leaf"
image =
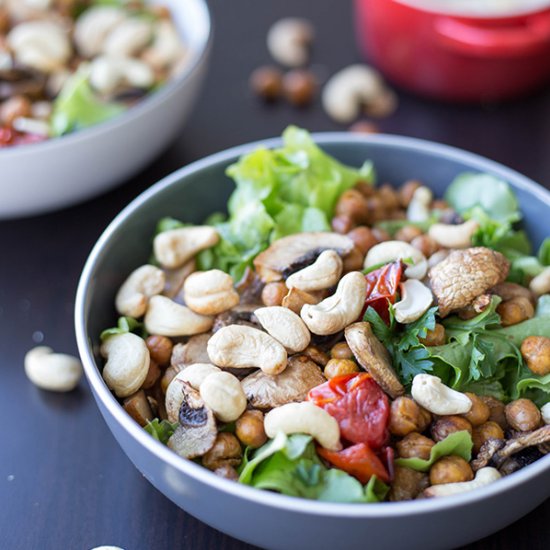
pixel 125 324
pixel 161 430
pixel 458 443
pixel 78 107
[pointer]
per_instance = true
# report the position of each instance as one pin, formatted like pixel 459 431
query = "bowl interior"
pixel 193 192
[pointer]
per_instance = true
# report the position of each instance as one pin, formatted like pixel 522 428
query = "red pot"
pixel 456 57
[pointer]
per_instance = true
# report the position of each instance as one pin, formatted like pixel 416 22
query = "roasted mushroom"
pixel 373 357
pixel 464 275
pixel 174 279
pixel 292 253
pixel 194 351
pixel 197 431
pixel 292 385
pixel 242 314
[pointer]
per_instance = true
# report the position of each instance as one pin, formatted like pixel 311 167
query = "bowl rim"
pixel 148 104
pixel 259 497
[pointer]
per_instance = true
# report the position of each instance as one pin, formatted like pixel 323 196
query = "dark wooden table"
pixel 64 482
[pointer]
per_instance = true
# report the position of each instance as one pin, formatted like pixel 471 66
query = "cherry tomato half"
pixel 382 286
pixel 358 404
pixel 359 460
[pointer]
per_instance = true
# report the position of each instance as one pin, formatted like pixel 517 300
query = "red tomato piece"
pixel 10 137
pixel 382 286
pixel 358 404
pixel 358 460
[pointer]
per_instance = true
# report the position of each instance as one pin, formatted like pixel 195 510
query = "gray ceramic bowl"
pixel 267 519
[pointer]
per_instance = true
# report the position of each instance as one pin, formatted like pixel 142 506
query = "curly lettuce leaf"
pixel 458 443
pixel 77 106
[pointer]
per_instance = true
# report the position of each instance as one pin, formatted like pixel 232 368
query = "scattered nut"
pixel 523 415
pixel 299 87
pixel 289 40
pixel 545 413
pixel 210 292
pixel 127 363
pixel 267 82
pixel 438 398
pixel 222 392
pixel 321 274
pixel 226 451
pixel 52 371
pixel 339 310
pixel 239 346
pixel 128 38
pixel 109 72
pixel 249 428
pixel 133 296
pixel 285 326
pixel 304 418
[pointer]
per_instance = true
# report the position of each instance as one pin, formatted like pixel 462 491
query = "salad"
pixel 67 65
pixel 334 339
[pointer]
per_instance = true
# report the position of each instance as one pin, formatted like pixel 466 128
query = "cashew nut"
pixel 210 292
pixel 304 418
pixel 285 326
pixel 349 90
pixel 223 393
pixel 483 477
pixel 92 27
pixel 52 371
pixel 239 346
pixel 453 236
pixel 166 47
pixel 288 41
pixel 107 73
pixel 541 283
pixel 416 298
pixel 419 207
pixel 128 37
pixel 127 363
pixel 42 45
pixel 438 398
pixel 134 294
pixel 196 373
pixel 168 318
pixel 175 247
pixel 390 251
pixel 545 413
pixel 338 311
pixel 437 257
pixel 323 273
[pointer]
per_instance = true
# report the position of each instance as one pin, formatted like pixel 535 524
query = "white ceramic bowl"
pixel 41 177
pixel 260 517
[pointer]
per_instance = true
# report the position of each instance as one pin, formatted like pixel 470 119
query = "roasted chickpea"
pixel 273 294
pixel 479 413
pixel 225 452
pixel 316 355
pixel 415 445
pixel 522 415
pixel 375 209
pixel 363 238
pixel 160 349
pixel 227 472
pixel 487 430
pixel 249 428
pixel 425 244
pixel 536 352
pixel 435 337
pixel 407 484
pixel 406 192
pixel 341 351
pixel 167 377
pixel 406 416
pixel 353 205
pixel 267 82
pixel 381 235
pixel 389 197
pixel 366 189
pixel 515 311
pixel 354 260
pixel 299 87
pixel 153 374
pixel 342 224
pixel 338 367
pixel 446 425
pixel 408 233
pixel 450 469
pixel 496 410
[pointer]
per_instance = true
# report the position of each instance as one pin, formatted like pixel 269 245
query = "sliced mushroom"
pixel 486 453
pixel 291 386
pixel 521 442
pixel 194 351
pixel 174 278
pixel 197 429
pixel 239 315
pixel 466 274
pixel 292 253
pixel 250 288
pixel 373 357
pixel 138 407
